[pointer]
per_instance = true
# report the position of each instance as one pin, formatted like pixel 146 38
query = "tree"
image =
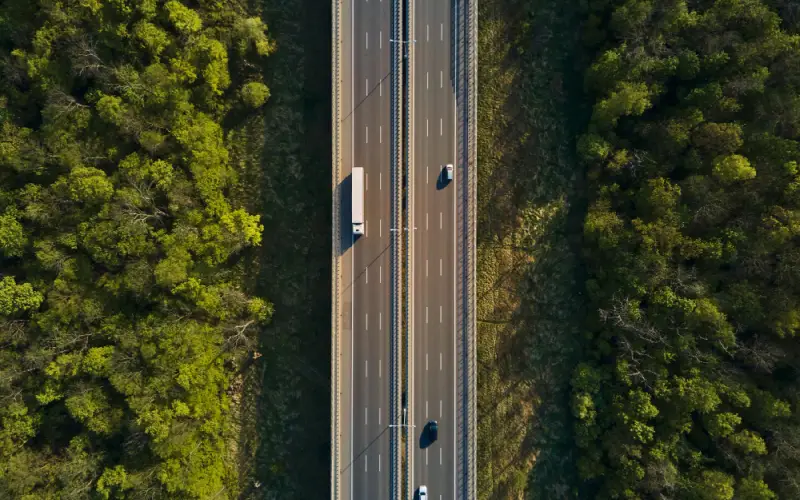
pixel 733 168
pixel 122 316
pixel 255 94
pixel 627 99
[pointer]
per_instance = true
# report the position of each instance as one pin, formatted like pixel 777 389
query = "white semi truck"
pixel 357 181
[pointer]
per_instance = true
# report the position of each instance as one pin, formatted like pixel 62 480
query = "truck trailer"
pixel 357 180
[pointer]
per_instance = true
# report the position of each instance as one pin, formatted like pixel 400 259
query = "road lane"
pixel 369 463
pixel 434 282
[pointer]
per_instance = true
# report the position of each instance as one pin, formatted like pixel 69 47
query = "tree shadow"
pixel 530 212
pixel 284 445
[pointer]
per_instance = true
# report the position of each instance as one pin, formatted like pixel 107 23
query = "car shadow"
pixel 424 440
pixel 441 180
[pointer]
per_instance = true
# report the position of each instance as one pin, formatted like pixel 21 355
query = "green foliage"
pixel 691 252
pixel 12 236
pixel 123 316
pixel 15 298
pixel 733 168
pixel 754 489
pixel 184 19
pixel 255 94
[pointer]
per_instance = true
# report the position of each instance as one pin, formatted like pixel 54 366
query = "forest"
pixel 689 388
pixel 123 319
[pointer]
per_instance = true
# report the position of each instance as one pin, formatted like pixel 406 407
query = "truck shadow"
pixel 347 239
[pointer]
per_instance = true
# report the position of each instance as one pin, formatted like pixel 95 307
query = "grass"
pixel 529 283
pixel 284 431
pixel 530 210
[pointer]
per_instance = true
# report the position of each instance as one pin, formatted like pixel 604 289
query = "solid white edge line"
pixel 352 245
pixel 455 198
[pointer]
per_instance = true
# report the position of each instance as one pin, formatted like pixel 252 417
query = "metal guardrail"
pixel 466 54
pixel 472 171
pixel 396 244
pixel 336 244
pixel 409 250
pixel 470 300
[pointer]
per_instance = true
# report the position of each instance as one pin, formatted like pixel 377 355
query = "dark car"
pixel 433 431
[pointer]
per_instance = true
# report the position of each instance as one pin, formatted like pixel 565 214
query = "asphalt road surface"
pixel 366 25
pixel 434 361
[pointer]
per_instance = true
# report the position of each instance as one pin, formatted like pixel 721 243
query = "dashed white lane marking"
pixel 380 228
pixel 366 274
pixel 426 268
pixel 426 361
pixel 427 174
pixel 366 321
pixel 380 134
pixel 380 181
pixel 426 127
pixel 366 87
pixel 427 74
pixel 379 424
pixel 426 314
pixel 440 314
pixel 441 32
pixel 380 88
pixel 366 182
pixel 426 410
pixel 379 460
pixel 427 32
pixel 380 327
pixel 440 369
pixel 441 79
pixel 366 368
pixel 366 127
pixel 380 39
pixel 380 368
pixel 426 221
pixel 426 459
pixel 440 456
pixel 440 267
pixel 366 415
pixel 366 38
pixel 365 463
pixel 380 274
pixel 440 408
pixel 440 126
pixel 440 220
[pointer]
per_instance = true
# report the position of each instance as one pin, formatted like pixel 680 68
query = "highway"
pixel 375 353
pixel 366 25
pixel 433 394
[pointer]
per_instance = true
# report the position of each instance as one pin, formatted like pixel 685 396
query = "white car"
pixel 423 492
pixel 448 171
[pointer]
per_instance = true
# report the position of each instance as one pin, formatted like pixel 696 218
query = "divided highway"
pixel 375 355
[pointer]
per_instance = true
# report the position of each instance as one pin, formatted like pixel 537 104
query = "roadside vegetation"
pixel 530 205
pixel 285 421
pixel 690 387
pixel 124 313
